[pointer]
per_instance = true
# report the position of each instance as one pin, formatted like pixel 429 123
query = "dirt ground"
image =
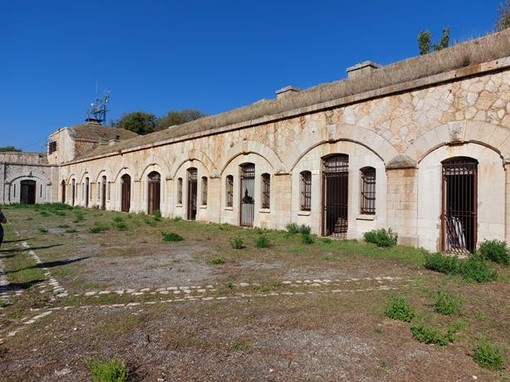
pixel 174 312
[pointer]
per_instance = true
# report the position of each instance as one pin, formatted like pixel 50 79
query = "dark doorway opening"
pixel 154 192
pixel 335 182
pixel 192 193
pixel 125 193
pixel 63 190
pixel 28 188
pixel 103 192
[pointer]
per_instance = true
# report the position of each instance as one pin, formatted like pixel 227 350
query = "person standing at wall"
pixel 3 219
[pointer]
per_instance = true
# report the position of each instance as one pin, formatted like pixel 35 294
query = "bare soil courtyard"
pixel 79 284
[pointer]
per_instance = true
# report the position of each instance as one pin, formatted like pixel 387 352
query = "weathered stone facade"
pixel 420 146
pixel 26 177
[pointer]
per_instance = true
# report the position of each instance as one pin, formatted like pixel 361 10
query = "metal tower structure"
pixel 98 109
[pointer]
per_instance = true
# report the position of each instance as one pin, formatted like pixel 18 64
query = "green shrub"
pixel 449 265
pixel 447 303
pixel 118 219
pixel 430 335
pixel 98 227
pixel 381 237
pixel 488 355
pixel 327 240
pixel 262 242
pixel 108 370
pixel 42 229
pixel 157 215
pixel 398 309
pixel 217 261
pixel 294 228
pixel 237 243
pixel 170 236
pixel 306 238
pixel 476 269
pixel 495 250
pixel 78 215
pixel 121 226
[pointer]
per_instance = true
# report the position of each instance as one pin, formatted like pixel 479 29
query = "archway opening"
pixel 125 193
pixel 28 188
pixel 192 193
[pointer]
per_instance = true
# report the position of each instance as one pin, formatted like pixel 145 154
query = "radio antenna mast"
pixel 97 111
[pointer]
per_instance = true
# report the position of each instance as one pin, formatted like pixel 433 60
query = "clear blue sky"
pixel 162 55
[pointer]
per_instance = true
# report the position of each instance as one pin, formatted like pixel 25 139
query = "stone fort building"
pixel 420 146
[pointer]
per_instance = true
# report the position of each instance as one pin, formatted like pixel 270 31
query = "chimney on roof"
pixel 286 91
pixel 361 69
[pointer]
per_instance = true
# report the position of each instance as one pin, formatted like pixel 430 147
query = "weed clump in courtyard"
pixel 431 335
pixel 382 237
pixel 171 236
pixel 488 355
pixel 398 309
pixel 237 243
pixel 474 269
pixel 262 242
pixel 447 303
pixel 294 228
pixel 108 370
pixel 495 250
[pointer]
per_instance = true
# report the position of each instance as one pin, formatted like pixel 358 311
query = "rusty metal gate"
pixel 247 194
pixel 192 194
pixel 335 182
pixel 459 212
pixel 126 193
pixel 154 192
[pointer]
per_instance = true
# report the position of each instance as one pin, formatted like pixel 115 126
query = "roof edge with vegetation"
pixel 459 56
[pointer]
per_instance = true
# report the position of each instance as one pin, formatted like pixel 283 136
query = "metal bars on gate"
pixel 247 194
pixel 459 206
pixel 335 178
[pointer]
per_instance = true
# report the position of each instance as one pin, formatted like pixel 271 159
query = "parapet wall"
pixel 23 158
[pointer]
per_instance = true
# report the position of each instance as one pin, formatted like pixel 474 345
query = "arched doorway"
pixel 335 186
pixel 192 193
pixel 125 193
pixel 103 192
pixel 73 192
pixel 247 194
pixel 459 201
pixel 63 190
pixel 153 192
pixel 28 192
pixel 87 188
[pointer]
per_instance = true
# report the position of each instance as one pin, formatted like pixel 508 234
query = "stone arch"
pixel 374 142
pixel 154 166
pixel 490 192
pixel 257 148
pixel 328 142
pixel 494 137
pixel 199 156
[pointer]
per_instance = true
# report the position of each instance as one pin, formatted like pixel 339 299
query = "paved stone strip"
pixel 44 313
pixel 55 286
pixel 188 290
pixel 4 295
